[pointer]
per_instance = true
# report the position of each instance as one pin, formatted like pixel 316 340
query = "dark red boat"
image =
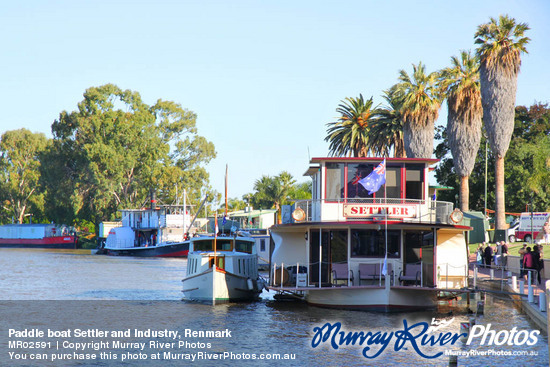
pixel 37 236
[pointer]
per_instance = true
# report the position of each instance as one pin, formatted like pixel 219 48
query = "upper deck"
pixel 162 216
pixel 337 196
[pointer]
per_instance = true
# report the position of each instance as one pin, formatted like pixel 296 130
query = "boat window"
pixel 335 181
pixel 262 245
pixel 243 246
pixel 314 189
pixel 372 243
pixel 393 183
pixel 414 181
pixel 415 242
pixel 223 245
pixel 205 245
pixel 355 173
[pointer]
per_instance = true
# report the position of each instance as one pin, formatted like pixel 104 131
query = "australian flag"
pixel 375 179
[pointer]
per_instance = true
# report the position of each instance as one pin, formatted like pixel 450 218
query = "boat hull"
pixel 168 250
pixel 378 299
pixel 216 285
pixel 61 242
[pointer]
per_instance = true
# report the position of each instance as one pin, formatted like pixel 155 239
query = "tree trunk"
pixel 464 193
pixel 500 207
pixel 418 139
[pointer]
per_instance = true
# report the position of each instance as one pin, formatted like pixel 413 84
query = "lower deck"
pixel 356 255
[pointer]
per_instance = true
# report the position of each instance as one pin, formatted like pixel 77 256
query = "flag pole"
pixel 215 238
pixel 225 213
pixel 385 269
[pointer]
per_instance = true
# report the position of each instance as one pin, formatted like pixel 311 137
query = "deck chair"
pixel 341 272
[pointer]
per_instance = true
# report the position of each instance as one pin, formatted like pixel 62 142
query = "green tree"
pixel 460 85
pixel 234 204
pixel 272 192
pixel 386 131
pixel 115 148
pixel 526 165
pixel 420 108
pixel 501 43
pixel 350 134
pixel 300 191
pixel 20 174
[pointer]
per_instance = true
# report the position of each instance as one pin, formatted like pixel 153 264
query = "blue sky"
pixel 264 77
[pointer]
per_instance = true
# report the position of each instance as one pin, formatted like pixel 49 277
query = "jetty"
pixel 532 300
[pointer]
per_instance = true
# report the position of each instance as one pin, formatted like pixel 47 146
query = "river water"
pixel 73 298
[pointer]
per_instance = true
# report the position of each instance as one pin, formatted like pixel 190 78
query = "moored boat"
pixel 158 231
pixel 222 269
pixel 391 248
pixel 38 236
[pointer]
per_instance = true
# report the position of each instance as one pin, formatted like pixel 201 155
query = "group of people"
pixel 486 255
pixel 531 260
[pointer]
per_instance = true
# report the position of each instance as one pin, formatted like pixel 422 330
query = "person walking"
pixel 537 261
pixel 522 251
pixel 479 254
pixel 504 254
pixel 488 255
pixel 529 264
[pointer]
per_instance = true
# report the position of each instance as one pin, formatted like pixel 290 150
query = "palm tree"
pixel 501 43
pixel 350 134
pixel 460 85
pixel 419 110
pixel 273 191
pixel 387 130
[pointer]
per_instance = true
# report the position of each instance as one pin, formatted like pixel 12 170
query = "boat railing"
pixel 508 275
pixel 284 275
pixel 297 275
pixel 407 210
pixel 450 276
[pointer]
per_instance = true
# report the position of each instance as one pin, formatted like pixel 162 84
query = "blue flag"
pixel 375 179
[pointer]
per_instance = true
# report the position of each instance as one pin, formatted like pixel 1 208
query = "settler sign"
pixel 379 210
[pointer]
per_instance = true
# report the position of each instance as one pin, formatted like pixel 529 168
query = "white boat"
pixel 222 269
pixel 159 231
pixel 393 250
pixel 263 241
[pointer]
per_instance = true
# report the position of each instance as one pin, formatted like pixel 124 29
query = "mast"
pixel 225 212
pixel 184 211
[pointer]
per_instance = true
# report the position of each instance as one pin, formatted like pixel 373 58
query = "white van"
pixel 524 232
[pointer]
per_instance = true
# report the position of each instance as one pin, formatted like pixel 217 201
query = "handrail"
pixel 426 211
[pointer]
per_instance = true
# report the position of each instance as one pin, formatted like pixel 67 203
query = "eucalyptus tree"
pixel 460 85
pixel 501 43
pixel 115 148
pixel 349 135
pixel 20 189
pixel 387 129
pixel 420 109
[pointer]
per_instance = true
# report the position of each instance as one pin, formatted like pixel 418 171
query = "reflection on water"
pixel 43 289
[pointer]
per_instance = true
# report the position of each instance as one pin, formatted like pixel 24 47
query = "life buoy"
pixel 298 215
pixel 456 216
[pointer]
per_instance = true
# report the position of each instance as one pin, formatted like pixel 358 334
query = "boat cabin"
pixel 347 237
pixel 233 254
pixel 149 227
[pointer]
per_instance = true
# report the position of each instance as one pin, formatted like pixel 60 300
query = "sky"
pixel 264 77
